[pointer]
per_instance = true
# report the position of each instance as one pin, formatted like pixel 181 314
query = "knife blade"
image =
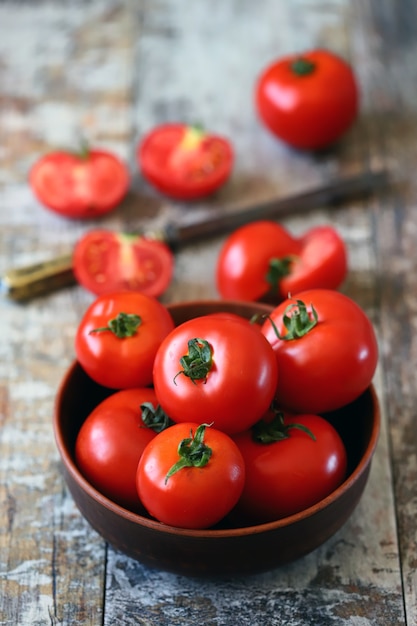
pixel 32 280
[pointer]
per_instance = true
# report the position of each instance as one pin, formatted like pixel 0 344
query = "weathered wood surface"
pixel 109 70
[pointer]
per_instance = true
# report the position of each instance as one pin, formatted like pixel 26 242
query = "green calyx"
pixel 124 325
pixel 302 66
pixel 299 323
pixel 154 418
pixel 198 361
pixel 277 270
pixel 193 452
pixel 276 430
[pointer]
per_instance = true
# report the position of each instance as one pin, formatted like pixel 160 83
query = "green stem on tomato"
pixel 302 66
pixel 155 418
pixel 197 362
pixel 124 325
pixel 193 452
pixel 299 323
pixel 276 430
pixel 277 270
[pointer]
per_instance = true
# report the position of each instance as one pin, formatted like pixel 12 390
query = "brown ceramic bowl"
pixel 220 551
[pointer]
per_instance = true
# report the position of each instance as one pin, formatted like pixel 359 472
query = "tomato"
pixel 215 370
pixel 262 260
pixel 190 476
pixel 326 351
pixel 308 100
pixel 184 162
pixel 291 464
pixel 118 338
pixel 111 441
pixel 105 261
pixel 83 185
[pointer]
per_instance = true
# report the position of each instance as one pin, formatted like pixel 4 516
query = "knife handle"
pixel 32 280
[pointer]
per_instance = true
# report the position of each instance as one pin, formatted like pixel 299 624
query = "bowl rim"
pixel 237 531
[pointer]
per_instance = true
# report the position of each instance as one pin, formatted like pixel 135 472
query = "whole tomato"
pixel 262 260
pixel 308 100
pixel 80 185
pixel 185 162
pixel 112 439
pixel 216 370
pixel 326 350
pixel 105 261
pixel 118 338
pixel 190 476
pixel 291 463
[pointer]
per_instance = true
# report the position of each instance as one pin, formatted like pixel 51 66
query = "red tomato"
pixel 261 259
pixel 118 337
pixel 290 471
pixel 215 370
pixel 324 363
pixel 81 185
pixel 110 444
pixel 184 162
pixel 190 476
pixel 105 261
pixel 308 100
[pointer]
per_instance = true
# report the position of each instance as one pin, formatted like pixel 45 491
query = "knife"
pixel 29 281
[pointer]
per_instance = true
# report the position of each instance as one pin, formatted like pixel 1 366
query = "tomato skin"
pixel 193 497
pixel 238 388
pixel 110 444
pixel 330 366
pixel 310 110
pixel 184 163
pixel 105 261
pixel 119 363
pixel 80 186
pixel 288 476
pixel 319 260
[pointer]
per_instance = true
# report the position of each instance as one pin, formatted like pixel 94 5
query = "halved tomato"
pixel 80 185
pixel 184 162
pixel 105 261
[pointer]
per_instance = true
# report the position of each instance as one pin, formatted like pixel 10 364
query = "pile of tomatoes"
pixel 220 418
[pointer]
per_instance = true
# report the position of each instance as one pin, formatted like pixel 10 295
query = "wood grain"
pixel 108 70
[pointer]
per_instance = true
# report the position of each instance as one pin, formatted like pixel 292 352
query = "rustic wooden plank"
pixel 391 77
pixel 115 68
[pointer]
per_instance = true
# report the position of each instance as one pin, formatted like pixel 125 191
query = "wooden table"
pixel 109 70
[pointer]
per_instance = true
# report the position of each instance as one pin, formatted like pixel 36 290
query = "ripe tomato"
pixel 184 162
pixel 262 260
pixel 308 100
pixel 111 441
pixel 118 337
pixel 190 476
pixel 105 261
pixel 82 185
pixel 327 351
pixel 287 470
pixel 215 370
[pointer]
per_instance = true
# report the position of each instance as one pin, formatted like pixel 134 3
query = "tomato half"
pixel 292 472
pixel 326 351
pixel 215 370
pixel 110 444
pixel 194 495
pixel 119 336
pixel 308 100
pixel 184 162
pixel 105 261
pixel 261 260
pixel 81 186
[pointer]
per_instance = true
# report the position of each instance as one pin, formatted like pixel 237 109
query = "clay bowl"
pixel 220 551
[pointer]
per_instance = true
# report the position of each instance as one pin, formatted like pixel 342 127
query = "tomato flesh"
pixel 105 261
pixel 184 162
pixel 80 187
